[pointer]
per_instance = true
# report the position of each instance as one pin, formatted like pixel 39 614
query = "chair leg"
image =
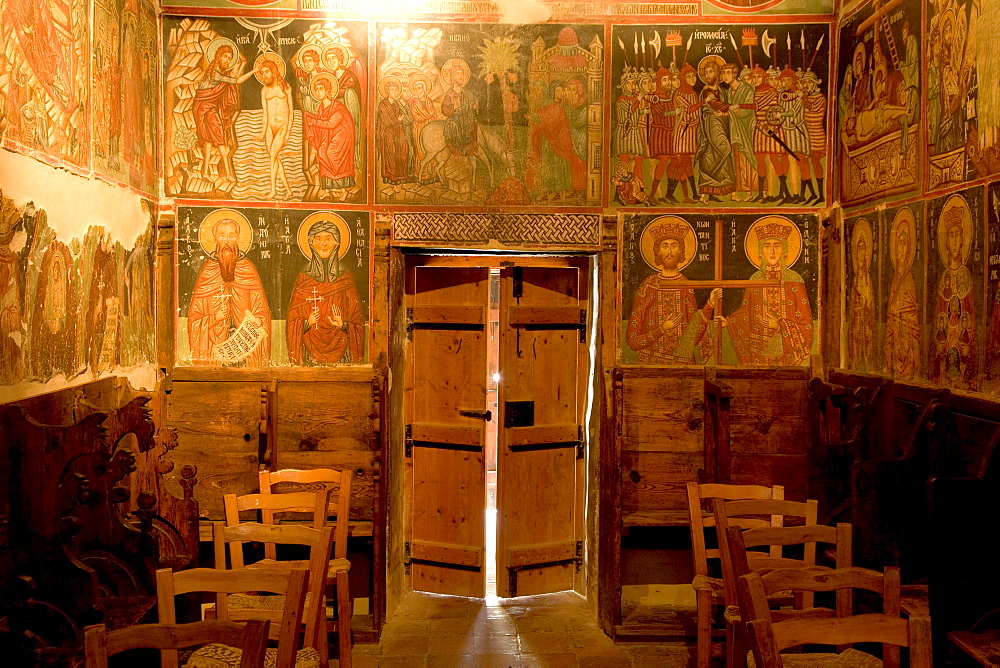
pixel 344 642
pixel 736 645
pixel 704 601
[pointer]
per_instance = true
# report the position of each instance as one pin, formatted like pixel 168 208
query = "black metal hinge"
pixel 579 555
pixel 579 442
pixel 583 325
pixel 409 440
pixel 409 324
pixel 406 557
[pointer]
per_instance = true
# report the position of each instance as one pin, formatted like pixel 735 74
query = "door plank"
pixel 463 555
pixel 448 433
pixel 542 434
pixel 538 315
pixel 542 553
pixel 449 315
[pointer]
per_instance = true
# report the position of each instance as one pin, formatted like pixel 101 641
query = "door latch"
pixel 486 415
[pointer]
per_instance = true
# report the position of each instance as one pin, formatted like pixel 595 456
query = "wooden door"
pixel 539 467
pixel 447 313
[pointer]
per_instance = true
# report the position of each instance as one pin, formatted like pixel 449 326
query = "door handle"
pixel 482 415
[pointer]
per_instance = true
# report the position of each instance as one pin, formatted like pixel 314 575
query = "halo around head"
pixel 420 77
pixel 332 85
pixel 902 222
pixel 713 58
pixel 794 238
pixel 383 85
pixel 272 57
pixel 680 227
pixel 213 48
pixel 955 209
pixel 320 217
pixel 308 48
pixel 862 230
pixel 450 66
pixel 206 232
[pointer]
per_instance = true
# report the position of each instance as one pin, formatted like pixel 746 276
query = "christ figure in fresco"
pixel 325 324
pixel 902 329
pixel 215 107
pixel 773 324
pixel 276 101
pixel 666 326
pixel 227 291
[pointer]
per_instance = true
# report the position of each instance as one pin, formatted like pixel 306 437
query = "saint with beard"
pixel 325 324
pixel 227 291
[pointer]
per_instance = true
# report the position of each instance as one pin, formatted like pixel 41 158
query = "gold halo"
pixel 333 86
pixel 214 45
pixel 646 242
pixel 718 60
pixel 384 82
pixel 955 201
pixel 420 76
pixel 860 48
pixel 329 52
pixel 903 220
pixel 309 48
pixel 303 233
pixel 274 58
pixel 450 66
pixel 794 240
pixel 862 229
pixel 620 169
pixel 205 231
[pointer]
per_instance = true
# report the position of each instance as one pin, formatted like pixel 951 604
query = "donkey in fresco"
pixel 437 153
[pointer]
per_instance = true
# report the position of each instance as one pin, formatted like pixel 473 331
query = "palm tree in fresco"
pixel 499 63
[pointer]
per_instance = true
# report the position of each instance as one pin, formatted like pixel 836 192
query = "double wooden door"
pixel 543 365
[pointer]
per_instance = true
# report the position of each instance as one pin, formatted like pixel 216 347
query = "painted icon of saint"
pixel 861 319
pixel 902 329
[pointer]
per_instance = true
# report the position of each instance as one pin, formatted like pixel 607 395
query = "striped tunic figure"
pixel 764 98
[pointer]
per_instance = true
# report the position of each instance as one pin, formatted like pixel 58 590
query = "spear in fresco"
pixel 816 52
pixel 687 48
pixel 624 52
pixel 635 48
pixel 738 55
pixel 788 43
pixel 802 43
pixel 673 40
pixel 749 39
pixel 654 48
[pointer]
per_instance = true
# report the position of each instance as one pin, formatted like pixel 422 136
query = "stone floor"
pixel 553 630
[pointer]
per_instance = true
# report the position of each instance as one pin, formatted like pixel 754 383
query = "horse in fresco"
pixel 437 153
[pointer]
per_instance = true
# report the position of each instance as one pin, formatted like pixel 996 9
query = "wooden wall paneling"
pixel 396 471
pixel 217 427
pixel 165 295
pixel 609 598
pixel 718 406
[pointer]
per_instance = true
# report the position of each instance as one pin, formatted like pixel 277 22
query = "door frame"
pixel 399 470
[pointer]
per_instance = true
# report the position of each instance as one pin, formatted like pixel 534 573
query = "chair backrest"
pixel 764 522
pixel 337 482
pixel 319 542
pixel 285 622
pixel 269 505
pixel 769 637
pixel 701 494
pixel 251 638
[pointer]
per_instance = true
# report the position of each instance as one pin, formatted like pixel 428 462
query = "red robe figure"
pixel 552 126
pixel 686 110
pixel 773 325
pixel 227 290
pixel 325 324
pixel 330 131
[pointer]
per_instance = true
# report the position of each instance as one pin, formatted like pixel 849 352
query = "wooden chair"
pixel 338 508
pixel 738 560
pixel 319 542
pixel 250 638
pixel 284 620
pixel 709 590
pixel 769 636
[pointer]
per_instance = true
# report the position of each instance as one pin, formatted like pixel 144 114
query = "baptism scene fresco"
pixel 265 109
pixel 723 115
pixel 963 100
pixel 489 114
pixel 736 290
pixel 124 91
pixel 878 102
pixel 259 287
pixel 44 78
pixel 71 307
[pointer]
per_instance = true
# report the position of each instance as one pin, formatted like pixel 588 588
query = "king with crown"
pixel 666 326
pixel 773 324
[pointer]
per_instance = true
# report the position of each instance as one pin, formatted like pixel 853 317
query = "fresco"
pixel 963 117
pixel 732 290
pixel 991 344
pixel 287 126
pixel 878 104
pixel 124 91
pixel 863 249
pixel 489 114
pixel 71 307
pixel 785 7
pixel 955 288
pixel 44 77
pixel 902 292
pixel 234 4
pixel 260 287
pixel 731 115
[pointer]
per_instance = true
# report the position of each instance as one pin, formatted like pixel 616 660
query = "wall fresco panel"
pixel 903 341
pixel 863 251
pixel 289 126
pixel 263 287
